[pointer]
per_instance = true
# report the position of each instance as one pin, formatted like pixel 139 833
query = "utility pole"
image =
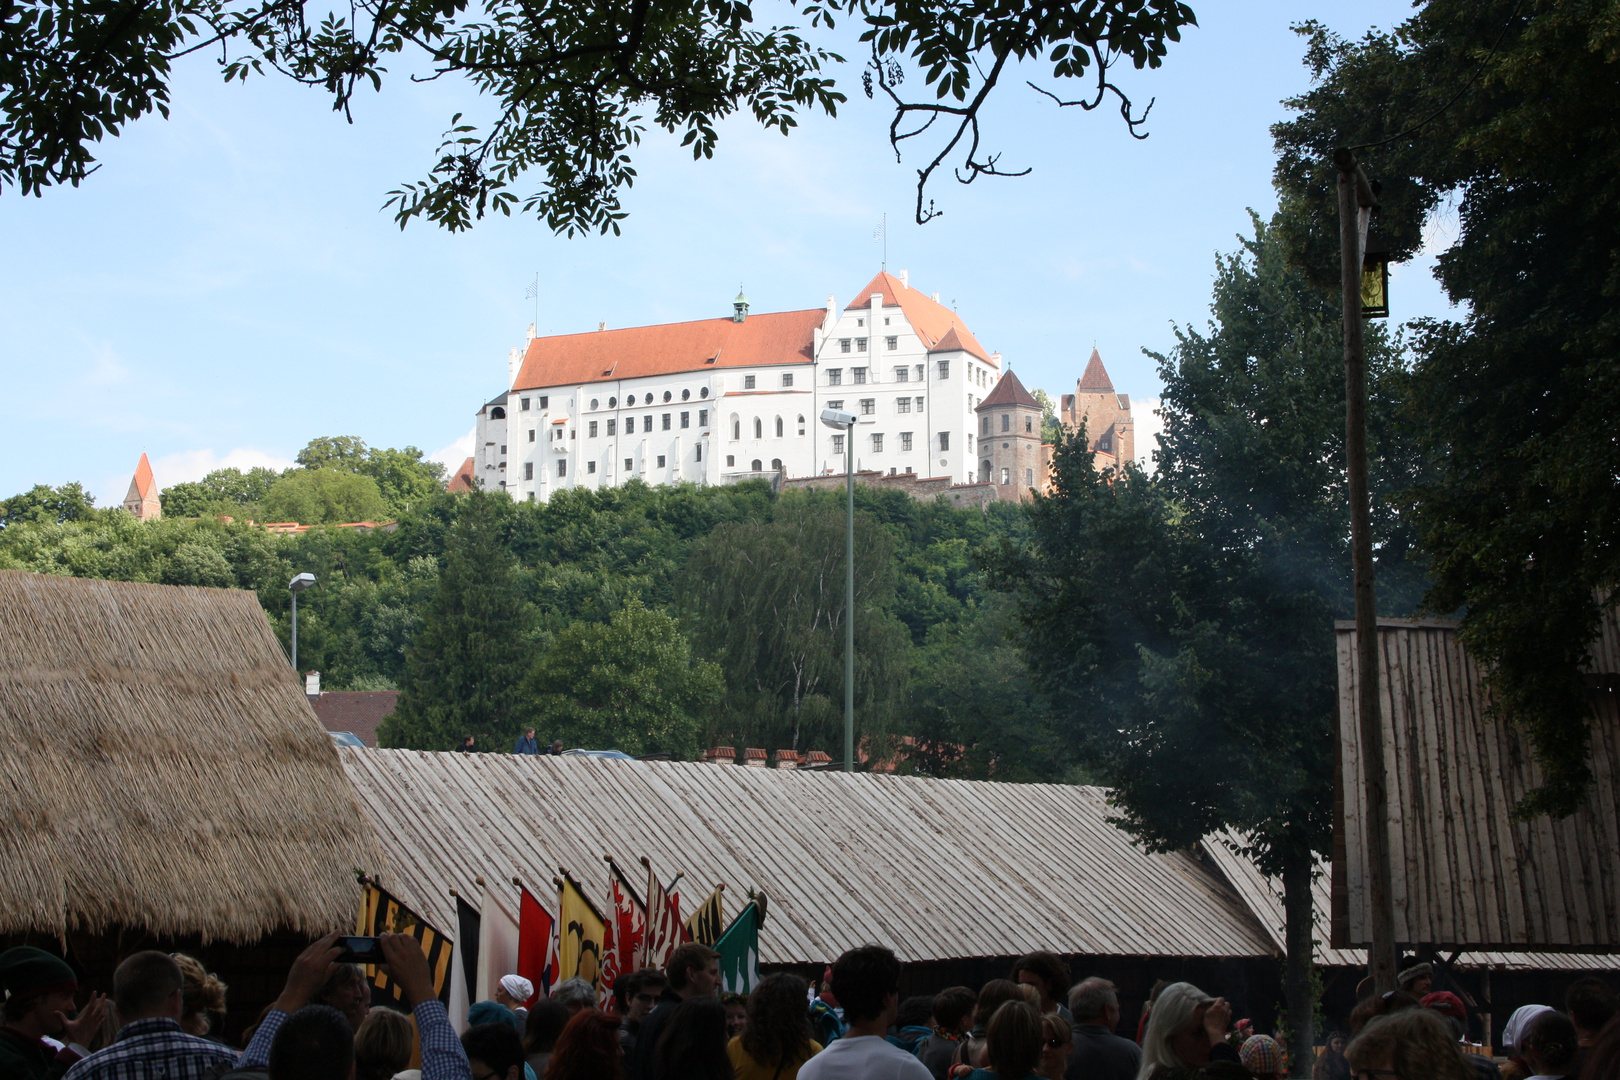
pixel 849 604
pixel 1356 206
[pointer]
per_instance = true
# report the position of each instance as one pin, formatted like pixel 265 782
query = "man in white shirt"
pixel 867 983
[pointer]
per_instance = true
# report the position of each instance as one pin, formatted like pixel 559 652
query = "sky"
pixel 227 286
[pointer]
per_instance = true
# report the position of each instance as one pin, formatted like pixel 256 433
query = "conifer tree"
pixel 465 665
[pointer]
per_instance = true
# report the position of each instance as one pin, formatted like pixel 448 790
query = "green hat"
pixel 26 970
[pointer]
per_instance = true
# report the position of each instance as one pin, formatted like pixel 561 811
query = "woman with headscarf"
pixel 1517 1068
pixel 513 991
pixel 1184 1032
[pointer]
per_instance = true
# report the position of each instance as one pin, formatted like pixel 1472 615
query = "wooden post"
pixel 1356 203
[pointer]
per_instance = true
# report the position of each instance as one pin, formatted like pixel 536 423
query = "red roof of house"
pixel 933 321
pixel 463 480
pixel 355 711
pixel 782 337
pixel 1095 377
pixel 1009 391
pixel 144 487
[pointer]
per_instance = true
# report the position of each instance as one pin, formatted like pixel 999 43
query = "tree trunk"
pixel 1298 992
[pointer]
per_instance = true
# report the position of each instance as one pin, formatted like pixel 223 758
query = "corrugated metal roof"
pixel 1264 897
pixel 1465 873
pixel 935 869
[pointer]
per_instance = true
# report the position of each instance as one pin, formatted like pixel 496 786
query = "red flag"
pixel 664 928
pixel 537 946
pixel 629 919
pixel 608 973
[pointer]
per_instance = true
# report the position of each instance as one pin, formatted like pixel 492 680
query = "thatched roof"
pixel 161 769
pixel 935 869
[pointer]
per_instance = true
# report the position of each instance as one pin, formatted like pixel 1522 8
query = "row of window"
pixel 759 427
pixel 545 403
pixel 1006 475
pixel 756 464
pixel 751 382
pixel 905 442
pixel 868 406
pixel 890 343
pixel 590 466
pixel 630 399
pixel 902 373
pixel 1006 423
pixel 665 421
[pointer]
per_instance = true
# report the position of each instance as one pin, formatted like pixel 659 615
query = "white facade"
pixel 715 425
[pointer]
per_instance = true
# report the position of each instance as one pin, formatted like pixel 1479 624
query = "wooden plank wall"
pixel 1465 873
pixel 935 869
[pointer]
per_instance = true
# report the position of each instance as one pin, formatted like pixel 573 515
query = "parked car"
pixel 345 738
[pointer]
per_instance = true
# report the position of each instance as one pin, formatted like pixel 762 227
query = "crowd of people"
pixel 165 1014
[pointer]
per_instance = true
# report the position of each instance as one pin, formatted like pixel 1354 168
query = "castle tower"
pixel 142 499
pixel 1105 414
pixel 1009 446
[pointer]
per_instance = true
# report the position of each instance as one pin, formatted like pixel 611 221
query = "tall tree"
pixel 630 684
pixel 1182 625
pixel 323 497
pixel 766 601
pixel 1505 108
pixel 465 665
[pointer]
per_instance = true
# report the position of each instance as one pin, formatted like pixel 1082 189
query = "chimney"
pixel 754 758
pixel 995 358
pixel 720 755
pixel 787 759
pixel 312 684
pixel 514 361
pixel 905 278
pixel 816 757
pixel 936 298
pixel 600 327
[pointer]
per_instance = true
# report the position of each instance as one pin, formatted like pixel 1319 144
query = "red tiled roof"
pixel 782 337
pixel 1096 377
pixel 933 321
pixel 356 711
pixel 463 480
pixel 1009 391
pixel 143 478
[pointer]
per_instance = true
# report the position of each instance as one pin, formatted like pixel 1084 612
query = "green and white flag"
pixel 739 949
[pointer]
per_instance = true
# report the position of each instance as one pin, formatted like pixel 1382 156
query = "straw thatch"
pixel 935 869
pixel 162 769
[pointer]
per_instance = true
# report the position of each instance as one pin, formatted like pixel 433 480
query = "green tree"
pixel 403 477
pixel 1181 626
pixel 574 85
pixel 466 663
pixel 629 684
pixel 1051 428
pixel 345 452
pixel 70 502
pixel 1504 110
pixel 766 601
pixel 324 497
pixel 223 491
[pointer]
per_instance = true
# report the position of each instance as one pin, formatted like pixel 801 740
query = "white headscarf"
pixel 1518 1022
pixel 520 988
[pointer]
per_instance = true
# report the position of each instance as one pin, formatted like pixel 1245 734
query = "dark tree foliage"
pixel 1181 625
pixel 223 491
pixel 466 663
pixel 1514 402
pixel 570 86
pixel 70 502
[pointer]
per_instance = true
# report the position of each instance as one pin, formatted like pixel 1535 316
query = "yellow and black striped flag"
pixel 708 922
pixel 381 913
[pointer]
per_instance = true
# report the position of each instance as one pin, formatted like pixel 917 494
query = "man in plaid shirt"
pixel 147 990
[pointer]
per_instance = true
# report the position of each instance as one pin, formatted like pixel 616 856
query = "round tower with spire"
pixel 1009 444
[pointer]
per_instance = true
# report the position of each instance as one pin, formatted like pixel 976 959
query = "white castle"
pixel 721 400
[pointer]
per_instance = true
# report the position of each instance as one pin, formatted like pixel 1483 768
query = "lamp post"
pixel 296 586
pixel 1364 285
pixel 838 418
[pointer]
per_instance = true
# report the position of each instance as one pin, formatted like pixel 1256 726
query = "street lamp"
pixel 296 586
pixel 838 418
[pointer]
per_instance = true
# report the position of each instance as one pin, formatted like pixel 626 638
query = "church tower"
pixel 1105 414
pixel 142 499
pixel 1010 453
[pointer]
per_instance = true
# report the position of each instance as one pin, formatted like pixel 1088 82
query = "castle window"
pixel 590 429
pixel 902 373
pixel 503 448
pixel 544 401
pixel 612 427
pixel 523 404
pixel 528 470
pixel 667 395
pixel 666 421
pixel 944 369
pixel 700 451
pixel 562 466
pixel 685 394
pixel 837 404
pixel 787 378
pixel 778 427
pixel 660 461
pixel 838 444
pixel 891 343
pixel 1029 477
pixel 703 392
pixel 902 405
pixel 703 418
pixel 1006 476
pixel 736 429
pixel 756 465
pixel 759 428
pixel 919 404
pixel 594 403
pixel 776 463
pixel 944 441
pixel 905 441
pixel 984 426
pixel 877 444
pixel 801 424
pixel 1006 422
pixel 748 382
pixel 497 413
pixel 613 403
pixel 984 472
pixel 859 375
pixel 731 461
pixel 843 344
pixel 531 434
pixel 686 419
pixel 868 407
pixel 835 376
pixel 860 344
pixel 590 466
pixel 1029 423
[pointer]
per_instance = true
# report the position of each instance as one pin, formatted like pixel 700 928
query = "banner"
pixel 467 942
pixel 580 931
pixel 705 926
pixel 497 946
pixel 381 913
pixel 627 925
pixel 664 928
pixel 537 946
pixel 739 950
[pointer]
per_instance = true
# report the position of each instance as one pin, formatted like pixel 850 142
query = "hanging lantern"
pixel 1375 278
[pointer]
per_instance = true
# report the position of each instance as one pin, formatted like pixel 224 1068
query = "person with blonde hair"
pixel 383 1045
pixel 1013 1042
pixel 1413 1044
pixel 1185 1028
pixel 1058 1041
pixel 202 996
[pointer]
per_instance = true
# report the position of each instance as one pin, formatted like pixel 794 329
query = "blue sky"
pixel 227 287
